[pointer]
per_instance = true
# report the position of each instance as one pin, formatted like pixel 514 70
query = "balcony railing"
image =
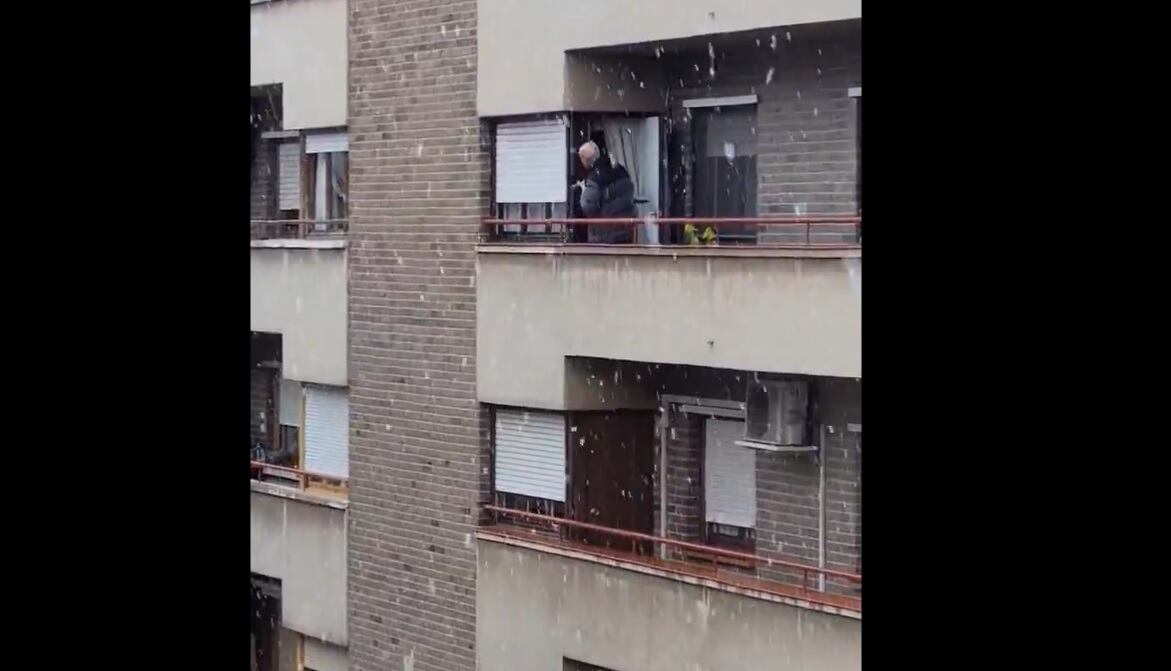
pixel 298 229
pixel 265 472
pixel 723 565
pixel 784 232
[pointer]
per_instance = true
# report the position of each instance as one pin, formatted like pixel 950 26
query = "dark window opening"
pixel 568 664
pixel 724 146
pixel 265 623
pixel 264 117
pixel 271 442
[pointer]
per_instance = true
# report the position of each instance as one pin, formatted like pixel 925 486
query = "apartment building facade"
pixel 299 372
pixel 560 452
pixel 518 367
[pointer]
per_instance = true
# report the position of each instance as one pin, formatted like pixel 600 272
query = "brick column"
pixel 418 185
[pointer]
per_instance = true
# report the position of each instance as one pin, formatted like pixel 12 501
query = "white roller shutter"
pixel 729 475
pixel 530 453
pixel 327 430
pixel 324 143
pixel 531 162
pixel 289 173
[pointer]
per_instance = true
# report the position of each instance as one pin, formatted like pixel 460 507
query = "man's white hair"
pixel 588 153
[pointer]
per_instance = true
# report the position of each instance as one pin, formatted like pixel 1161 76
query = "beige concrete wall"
pixel 301 294
pixel 301 44
pixel 537 33
pixel 533 609
pixel 304 545
pixel 782 315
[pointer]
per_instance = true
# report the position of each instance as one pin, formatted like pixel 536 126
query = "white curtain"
pixel 624 142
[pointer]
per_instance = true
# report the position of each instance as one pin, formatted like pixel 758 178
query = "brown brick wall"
pixel 684 477
pixel 418 447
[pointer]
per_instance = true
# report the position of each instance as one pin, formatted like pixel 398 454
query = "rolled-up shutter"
pixel 324 143
pixel 531 162
pixel 729 476
pixel 530 453
pixel 327 431
pixel 289 173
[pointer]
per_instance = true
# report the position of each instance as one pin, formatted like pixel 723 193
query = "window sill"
pixel 315 495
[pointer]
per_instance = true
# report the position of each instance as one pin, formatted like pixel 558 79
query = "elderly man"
pixel 607 191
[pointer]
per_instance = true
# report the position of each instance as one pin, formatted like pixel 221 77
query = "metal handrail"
pixel 269 229
pixel 299 474
pixel 492 225
pixel 685 545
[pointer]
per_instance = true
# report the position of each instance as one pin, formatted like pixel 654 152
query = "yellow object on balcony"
pixel 706 238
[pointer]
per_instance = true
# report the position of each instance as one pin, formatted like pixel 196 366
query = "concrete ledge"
pixel 582 555
pixel 754 252
pixel 300 243
pixel 307 496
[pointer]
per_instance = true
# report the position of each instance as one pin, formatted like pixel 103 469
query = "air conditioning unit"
pixel 776 415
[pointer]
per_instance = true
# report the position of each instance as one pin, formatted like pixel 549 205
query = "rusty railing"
pixel 810 594
pixel 302 477
pixel 834 231
pixel 297 229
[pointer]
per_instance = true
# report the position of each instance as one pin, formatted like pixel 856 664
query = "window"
pixel 729 482
pixel 531 173
pixel 327 174
pixel 725 167
pixel 529 453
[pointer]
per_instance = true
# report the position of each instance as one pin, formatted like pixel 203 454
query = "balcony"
pixel 298 286
pixel 299 229
pixel 552 29
pixel 538 594
pixel 298 537
pixel 789 303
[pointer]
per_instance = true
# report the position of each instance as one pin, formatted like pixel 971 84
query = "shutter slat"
pixel 729 476
pixel 530 453
pixel 531 162
pixel 327 431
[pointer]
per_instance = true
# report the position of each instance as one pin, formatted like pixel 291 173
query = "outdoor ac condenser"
pixel 777 413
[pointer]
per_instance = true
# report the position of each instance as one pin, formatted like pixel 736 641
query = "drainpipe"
pixel 821 506
pixel 664 415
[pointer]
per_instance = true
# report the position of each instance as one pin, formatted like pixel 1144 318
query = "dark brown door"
pixel 611 474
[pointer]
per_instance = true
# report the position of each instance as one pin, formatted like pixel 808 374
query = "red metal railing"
pixel 260 469
pixel 297 229
pixel 708 550
pixel 846 228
